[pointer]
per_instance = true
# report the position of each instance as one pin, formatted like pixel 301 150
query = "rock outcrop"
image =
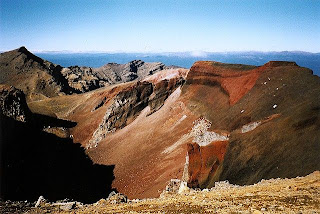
pixel 204 161
pixel 114 73
pixel 82 79
pixel 128 104
pixel 13 103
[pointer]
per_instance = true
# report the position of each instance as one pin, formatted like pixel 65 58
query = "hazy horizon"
pixel 195 53
pixel 150 26
pixel 173 52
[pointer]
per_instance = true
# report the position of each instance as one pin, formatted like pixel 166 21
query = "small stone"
pixel 115 198
pixel 183 187
pixel 173 186
pixel 41 200
pixel 68 206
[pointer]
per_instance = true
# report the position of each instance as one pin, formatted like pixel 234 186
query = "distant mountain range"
pixel 183 59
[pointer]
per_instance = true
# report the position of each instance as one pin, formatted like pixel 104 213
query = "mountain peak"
pixel 23 49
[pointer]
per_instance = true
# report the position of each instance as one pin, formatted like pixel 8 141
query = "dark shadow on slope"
pixel 39 121
pixel 35 163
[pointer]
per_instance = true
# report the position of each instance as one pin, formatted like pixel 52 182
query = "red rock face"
pixel 204 162
pixel 235 80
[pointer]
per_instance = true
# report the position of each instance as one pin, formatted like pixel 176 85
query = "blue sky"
pixel 160 26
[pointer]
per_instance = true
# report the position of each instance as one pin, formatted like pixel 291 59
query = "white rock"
pixel 40 200
pixel 275 106
pixel 250 127
pixel 67 206
pixel 183 187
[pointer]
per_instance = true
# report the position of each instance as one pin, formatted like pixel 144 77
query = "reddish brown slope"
pixel 235 80
pixel 273 100
pixel 142 168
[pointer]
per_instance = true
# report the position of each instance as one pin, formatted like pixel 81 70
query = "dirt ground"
pixel 296 195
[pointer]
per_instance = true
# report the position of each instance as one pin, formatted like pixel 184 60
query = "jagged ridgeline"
pixel 152 123
pixel 39 78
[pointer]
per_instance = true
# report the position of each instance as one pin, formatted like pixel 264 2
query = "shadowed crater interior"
pixel 35 163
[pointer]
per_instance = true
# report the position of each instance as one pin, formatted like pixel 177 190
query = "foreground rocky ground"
pixel 296 195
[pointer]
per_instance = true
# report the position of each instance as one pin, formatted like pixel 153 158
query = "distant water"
pixel 309 60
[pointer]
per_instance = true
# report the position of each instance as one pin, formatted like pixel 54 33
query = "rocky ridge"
pixel 41 79
pixel 36 77
pixel 114 73
pixel 85 79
